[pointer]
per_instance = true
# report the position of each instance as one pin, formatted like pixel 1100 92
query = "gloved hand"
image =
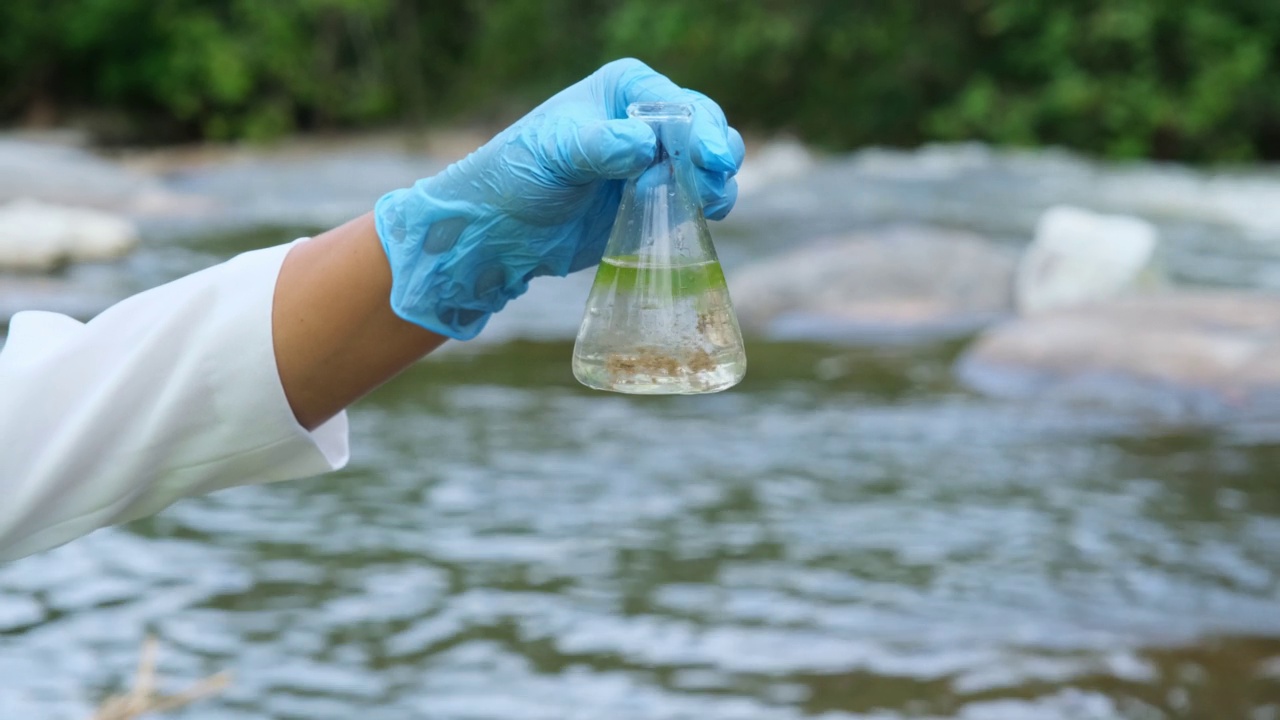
pixel 538 199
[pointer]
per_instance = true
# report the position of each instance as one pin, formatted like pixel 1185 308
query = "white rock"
pixel 40 236
pixel 1079 257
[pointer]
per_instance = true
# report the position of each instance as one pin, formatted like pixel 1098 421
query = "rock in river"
pixel 901 284
pixel 1080 256
pixel 1192 351
pixel 38 236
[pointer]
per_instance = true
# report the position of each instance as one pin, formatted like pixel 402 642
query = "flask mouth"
pixel 671 123
pixel 661 111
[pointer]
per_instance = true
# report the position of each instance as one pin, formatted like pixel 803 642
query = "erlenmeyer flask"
pixel 659 320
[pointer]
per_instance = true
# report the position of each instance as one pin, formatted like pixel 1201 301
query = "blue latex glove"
pixel 538 199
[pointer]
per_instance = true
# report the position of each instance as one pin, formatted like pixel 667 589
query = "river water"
pixel 848 534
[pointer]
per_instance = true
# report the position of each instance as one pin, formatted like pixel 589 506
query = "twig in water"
pixel 143 698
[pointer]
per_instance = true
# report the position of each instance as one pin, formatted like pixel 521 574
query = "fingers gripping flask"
pixel 659 320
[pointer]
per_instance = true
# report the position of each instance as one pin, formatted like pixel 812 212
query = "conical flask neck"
pixel 672 124
pixel 660 220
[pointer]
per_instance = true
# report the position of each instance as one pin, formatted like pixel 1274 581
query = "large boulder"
pixel 37 236
pixel 1191 352
pixel 1079 257
pixel 900 284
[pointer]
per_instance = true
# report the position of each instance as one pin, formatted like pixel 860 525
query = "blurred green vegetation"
pixel 1187 79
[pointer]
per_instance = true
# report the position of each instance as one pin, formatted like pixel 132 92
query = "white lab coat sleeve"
pixel 170 393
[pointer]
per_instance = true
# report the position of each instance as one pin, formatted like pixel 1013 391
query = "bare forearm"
pixel 335 335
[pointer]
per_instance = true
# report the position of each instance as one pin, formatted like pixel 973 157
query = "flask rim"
pixel 665 111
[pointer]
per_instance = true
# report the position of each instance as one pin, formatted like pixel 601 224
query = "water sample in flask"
pixel 659 320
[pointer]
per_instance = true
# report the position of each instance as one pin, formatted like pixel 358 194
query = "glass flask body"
pixel 659 320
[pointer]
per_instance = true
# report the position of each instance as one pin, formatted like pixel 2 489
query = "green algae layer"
pixel 629 274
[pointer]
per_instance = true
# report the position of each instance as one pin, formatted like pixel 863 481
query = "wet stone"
pixel 897 284
pixel 1202 353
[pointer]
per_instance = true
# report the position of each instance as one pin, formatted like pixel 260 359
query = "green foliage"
pixel 1187 79
pixel 839 73
pixel 229 68
pixel 1194 79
